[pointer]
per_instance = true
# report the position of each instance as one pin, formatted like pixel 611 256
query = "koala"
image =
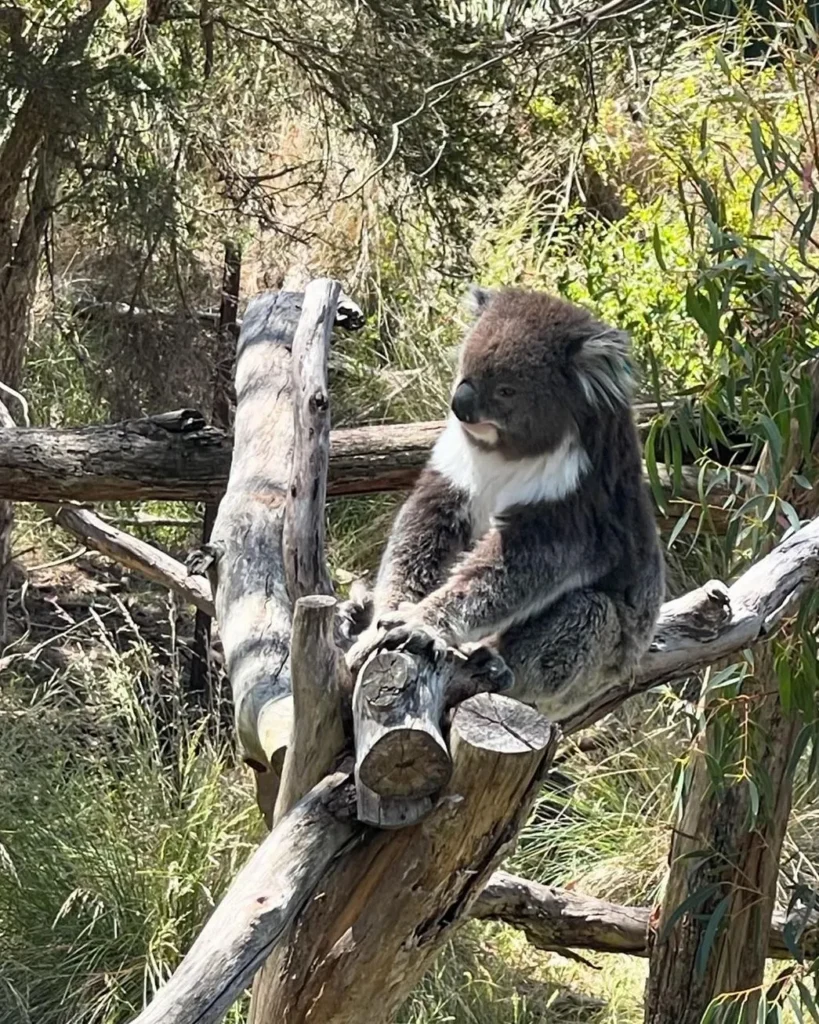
pixel 530 531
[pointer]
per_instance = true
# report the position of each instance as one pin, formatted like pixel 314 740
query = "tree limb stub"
pixel 399 702
pixel 318 731
pixel 305 562
pixel 556 919
pixel 397 709
pixel 269 530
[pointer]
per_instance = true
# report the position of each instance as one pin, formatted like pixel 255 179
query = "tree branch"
pixel 176 457
pixel 557 919
pixel 713 621
pixel 136 554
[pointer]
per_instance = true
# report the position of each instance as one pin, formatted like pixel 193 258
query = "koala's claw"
pixel 414 640
pixel 404 636
pixel 401 616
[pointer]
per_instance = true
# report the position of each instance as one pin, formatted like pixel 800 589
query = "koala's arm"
pixel 431 530
pixel 516 570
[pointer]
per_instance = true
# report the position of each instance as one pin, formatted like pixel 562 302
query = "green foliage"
pixel 692 226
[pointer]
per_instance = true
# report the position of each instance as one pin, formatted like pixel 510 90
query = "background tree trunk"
pixel 725 854
pixel 720 945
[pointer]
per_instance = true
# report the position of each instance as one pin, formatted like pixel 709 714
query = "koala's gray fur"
pixel 530 529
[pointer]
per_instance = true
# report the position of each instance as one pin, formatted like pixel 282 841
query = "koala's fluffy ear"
pixel 604 369
pixel 477 299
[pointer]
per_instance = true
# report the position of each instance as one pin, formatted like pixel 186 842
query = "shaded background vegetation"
pixel 656 162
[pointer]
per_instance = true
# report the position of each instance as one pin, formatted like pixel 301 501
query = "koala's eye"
pixel 505 391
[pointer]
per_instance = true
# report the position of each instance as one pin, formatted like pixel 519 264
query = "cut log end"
pixel 492 722
pixel 406 762
pixel 398 704
pixel 389 812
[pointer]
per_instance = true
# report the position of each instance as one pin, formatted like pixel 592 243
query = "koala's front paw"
pixel 408 629
pixel 485 664
pixel 483 671
pixel 406 614
pixel 415 639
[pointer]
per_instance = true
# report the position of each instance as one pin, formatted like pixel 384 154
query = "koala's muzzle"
pixel 465 403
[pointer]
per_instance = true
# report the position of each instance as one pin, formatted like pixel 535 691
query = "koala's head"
pixel 533 369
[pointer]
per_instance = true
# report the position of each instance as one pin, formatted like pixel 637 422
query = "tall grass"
pixel 119 830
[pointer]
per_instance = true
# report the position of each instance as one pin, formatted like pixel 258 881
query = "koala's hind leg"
pixel 562 655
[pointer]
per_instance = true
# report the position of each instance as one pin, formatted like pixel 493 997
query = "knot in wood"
pixel 710 615
pixel 319 401
pixel 718 594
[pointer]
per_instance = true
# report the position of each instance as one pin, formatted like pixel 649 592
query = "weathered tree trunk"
pixel 303 547
pixel 18 283
pixel 320 677
pixel 244 554
pixel 288 870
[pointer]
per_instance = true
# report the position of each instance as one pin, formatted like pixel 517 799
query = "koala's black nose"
pixel 465 402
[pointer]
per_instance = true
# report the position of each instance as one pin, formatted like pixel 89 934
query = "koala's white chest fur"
pixel 495 484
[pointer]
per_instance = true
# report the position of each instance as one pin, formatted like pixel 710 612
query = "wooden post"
pixel 305 563
pixel 319 675
pixel 397 711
